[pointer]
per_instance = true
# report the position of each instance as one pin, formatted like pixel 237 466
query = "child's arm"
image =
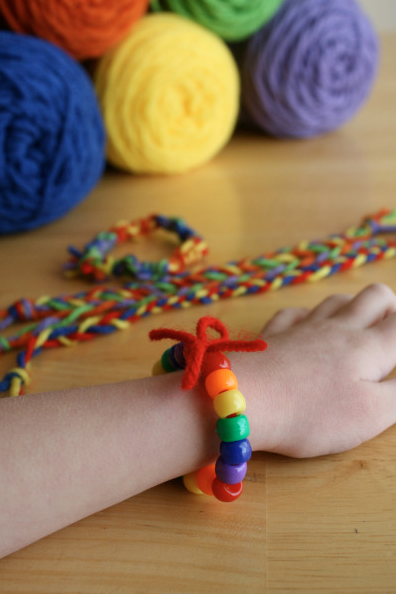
pixel 317 389
pixel 66 455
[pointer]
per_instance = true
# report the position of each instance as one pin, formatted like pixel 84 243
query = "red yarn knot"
pixel 195 347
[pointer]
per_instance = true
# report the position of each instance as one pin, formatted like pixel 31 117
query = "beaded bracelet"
pixel 200 356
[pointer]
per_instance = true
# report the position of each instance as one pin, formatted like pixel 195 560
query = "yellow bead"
pixel 158 369
pixel 190 482
pixel 228 403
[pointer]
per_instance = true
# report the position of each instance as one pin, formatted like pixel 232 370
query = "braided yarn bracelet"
pixel 173 283
pixel 201 357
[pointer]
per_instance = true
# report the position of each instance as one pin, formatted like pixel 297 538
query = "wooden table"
pixel 317 525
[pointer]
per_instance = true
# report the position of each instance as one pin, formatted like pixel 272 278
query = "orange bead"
pixel 204 479
pixel 220 381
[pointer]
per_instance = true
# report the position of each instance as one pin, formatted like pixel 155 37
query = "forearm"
pixel 69 454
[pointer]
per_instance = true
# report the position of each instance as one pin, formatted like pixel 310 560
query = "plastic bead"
pixel 166 362
pixel 178 353
pixel 226 493
pixel 190 482
pixel 220 381
pixel 205 478
pixel 233 428
pixel 158 369
pixel 213 361
pixel 229 403
pixel 172 358
pixel 230 473
pixel 236 452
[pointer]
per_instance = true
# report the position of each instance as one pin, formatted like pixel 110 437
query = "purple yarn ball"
pixel 309 69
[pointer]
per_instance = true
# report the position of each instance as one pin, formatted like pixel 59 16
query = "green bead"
pixel 233 428
pixel 166 364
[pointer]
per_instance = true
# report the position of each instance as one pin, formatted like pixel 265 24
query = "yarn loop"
pixel 195 347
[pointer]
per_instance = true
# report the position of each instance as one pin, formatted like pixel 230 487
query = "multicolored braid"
pixel 157 287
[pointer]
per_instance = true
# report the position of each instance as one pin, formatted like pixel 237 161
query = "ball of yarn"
pixel 233 20
pixel 84 29
pixel 309 69
pixel 169 95
pixel 52 149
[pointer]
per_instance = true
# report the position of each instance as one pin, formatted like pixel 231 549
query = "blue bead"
pixel 171 358
pixel 235 452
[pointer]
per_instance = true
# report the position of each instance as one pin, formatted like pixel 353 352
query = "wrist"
pixel 256 374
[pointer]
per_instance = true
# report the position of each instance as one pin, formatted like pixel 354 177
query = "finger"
pixel 284 319
pixel 370 306
pixel 330 306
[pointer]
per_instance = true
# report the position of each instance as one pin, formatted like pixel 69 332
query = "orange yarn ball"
pixel 84 29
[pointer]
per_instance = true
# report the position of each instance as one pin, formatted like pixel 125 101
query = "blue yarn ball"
pixel 52 138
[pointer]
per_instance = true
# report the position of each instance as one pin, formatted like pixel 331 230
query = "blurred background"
pixel 382 12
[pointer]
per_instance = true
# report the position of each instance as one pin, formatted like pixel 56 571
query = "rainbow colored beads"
pixel 232 428
pixel 201 356
pixel 222 480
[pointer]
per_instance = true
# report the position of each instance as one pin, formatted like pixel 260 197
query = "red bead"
pixel 226 493
pixel 213 361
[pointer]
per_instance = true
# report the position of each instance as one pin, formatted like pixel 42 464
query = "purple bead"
pixel 236 452
pixel 178 355
pixel 173 360
pixel 230 473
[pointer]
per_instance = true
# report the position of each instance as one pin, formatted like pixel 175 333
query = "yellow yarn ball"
pixel 169 94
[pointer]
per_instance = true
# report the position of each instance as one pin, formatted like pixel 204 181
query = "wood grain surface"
pixel 320 525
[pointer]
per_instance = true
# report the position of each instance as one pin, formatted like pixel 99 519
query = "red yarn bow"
pixel 195 347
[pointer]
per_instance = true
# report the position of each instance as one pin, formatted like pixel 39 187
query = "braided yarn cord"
pixel 154 288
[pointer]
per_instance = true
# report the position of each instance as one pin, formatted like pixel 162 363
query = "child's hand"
pixel 321 376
